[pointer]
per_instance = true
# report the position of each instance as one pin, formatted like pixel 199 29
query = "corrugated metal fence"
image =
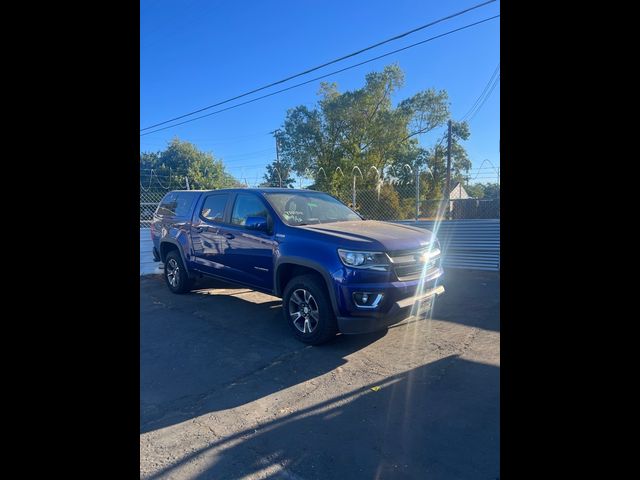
pixel 473 244
pixel 147 265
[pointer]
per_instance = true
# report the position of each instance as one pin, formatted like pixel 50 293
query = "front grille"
pixel 408 264
pixel 409 256
pixel 414 271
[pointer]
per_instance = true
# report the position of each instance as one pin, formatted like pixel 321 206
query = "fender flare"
pixel 305 262
pixel 179 247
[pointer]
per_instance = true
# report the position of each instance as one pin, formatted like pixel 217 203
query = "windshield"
pixel 306 208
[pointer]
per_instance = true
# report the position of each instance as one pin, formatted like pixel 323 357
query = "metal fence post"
pixel 417 193
pixel 353 170
pixel 354 193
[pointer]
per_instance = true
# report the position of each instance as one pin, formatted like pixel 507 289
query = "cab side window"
pixel 168 205
pixel 184 201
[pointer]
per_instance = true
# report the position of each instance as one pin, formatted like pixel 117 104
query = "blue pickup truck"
pixel 334 270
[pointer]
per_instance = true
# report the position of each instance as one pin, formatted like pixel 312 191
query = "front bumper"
pixel 398 311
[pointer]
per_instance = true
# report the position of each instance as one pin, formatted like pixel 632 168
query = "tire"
pixel 309 328
pixel 175 275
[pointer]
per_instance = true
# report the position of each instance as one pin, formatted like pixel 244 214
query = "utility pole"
pixel 275 135
pixel 448 189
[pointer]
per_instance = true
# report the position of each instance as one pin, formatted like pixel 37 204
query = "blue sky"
pixel 197 52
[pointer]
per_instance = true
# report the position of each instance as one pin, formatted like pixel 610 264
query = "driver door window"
pixel 249 206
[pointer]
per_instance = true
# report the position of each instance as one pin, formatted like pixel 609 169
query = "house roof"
pixel 460 192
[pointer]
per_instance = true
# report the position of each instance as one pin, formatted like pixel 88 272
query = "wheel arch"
pixel 167 245
pixel 290 267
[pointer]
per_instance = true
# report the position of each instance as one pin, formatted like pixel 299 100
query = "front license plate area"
pixel 422 308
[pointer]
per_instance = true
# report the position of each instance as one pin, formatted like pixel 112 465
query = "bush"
pixel 385 207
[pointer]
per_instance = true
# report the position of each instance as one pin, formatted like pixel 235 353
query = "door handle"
pixel 229 235
pixel 200 229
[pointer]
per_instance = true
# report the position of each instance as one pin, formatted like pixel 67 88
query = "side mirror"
pixel 256 223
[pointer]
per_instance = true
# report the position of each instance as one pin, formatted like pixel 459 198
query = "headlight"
pixel 372 260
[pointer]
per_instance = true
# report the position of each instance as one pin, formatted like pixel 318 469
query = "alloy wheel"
pixel 173 272
pixel 303 310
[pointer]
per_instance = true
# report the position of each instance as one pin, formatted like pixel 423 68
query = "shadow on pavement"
pixel 472 298
pixel 197 351
pixel 437 421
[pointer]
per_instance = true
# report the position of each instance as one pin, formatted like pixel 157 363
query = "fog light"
pixel 367 299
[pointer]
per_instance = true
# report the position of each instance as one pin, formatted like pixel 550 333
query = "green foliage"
pixel 483 190
pixel 360 128
pixel 460 162
pixel 387 207
pixel 277 171
pixel 475 190
pixel 183 159
pixel 492 190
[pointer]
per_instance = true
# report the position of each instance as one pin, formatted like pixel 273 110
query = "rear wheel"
pixel 175 275
pixel 307 310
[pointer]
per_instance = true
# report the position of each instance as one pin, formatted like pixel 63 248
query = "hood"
pixel 371 234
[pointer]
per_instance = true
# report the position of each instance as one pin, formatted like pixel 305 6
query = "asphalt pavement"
pixel 226 392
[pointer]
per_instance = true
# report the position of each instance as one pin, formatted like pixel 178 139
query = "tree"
pixel 183 159
pixel 277 171
pixel 360 128
pixel 460 162
pixel 483 190
pixel 492 190
pixel 385 206
pixel 475 190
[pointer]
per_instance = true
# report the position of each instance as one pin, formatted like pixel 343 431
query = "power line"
pixel 495 82
pixel 430 24
pixel 486 87
pixel 326 75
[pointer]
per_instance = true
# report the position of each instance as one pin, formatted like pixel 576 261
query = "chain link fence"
pixel 387 201
pixel 153 187
pixel 402 202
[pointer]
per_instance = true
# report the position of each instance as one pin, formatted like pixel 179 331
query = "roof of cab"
pixel 260 189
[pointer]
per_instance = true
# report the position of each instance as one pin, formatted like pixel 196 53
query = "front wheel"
pixel 307 310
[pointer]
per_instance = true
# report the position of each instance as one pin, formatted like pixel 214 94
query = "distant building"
pixel 457 193
pixel 463 206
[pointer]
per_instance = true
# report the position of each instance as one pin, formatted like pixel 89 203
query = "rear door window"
pixel 213 207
